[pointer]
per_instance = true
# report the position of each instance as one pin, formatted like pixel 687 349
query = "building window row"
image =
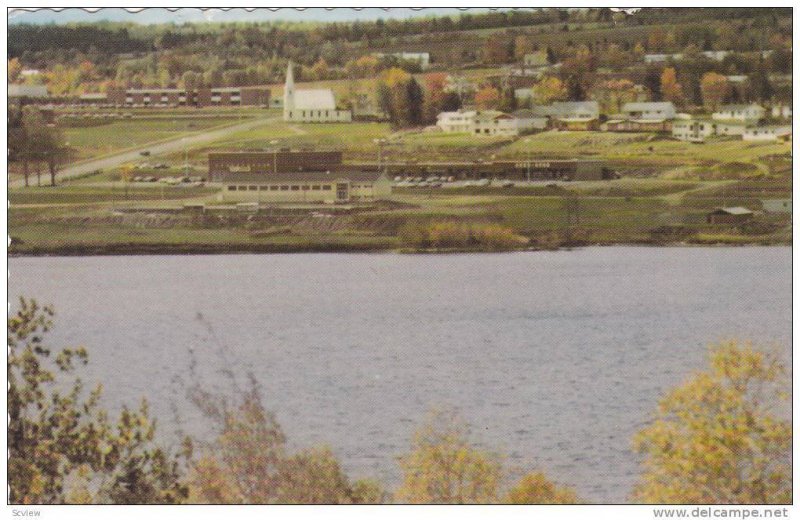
pixel 281 187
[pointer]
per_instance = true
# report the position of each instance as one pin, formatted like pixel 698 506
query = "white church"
pixel 310 105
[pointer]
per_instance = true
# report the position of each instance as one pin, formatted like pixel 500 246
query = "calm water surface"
pixel 555 358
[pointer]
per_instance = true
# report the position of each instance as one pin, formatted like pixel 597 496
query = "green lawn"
pixel 120 135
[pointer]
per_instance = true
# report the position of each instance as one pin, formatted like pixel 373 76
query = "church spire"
pixel 288 89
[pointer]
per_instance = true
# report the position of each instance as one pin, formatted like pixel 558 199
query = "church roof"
pixel 314 99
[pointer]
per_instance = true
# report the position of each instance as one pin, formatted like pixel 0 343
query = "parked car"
pixel 145 153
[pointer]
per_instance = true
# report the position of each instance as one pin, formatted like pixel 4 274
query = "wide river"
pixel 556 359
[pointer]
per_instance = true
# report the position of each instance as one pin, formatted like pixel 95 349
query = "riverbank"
pixel 156 249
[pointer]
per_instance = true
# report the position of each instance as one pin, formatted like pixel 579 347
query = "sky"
pixel 157 15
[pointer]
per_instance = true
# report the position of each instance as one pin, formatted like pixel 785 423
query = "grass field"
pixel 120 135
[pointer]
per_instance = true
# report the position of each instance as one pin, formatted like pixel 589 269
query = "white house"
pixel 649 111
pixel 692 130
pixel 535 59
pixel 569 110
pixel 31 91
pixel 494 123
pixel 423 58
pixel 528 120
pixel 766 133
pixel 310 105
pixel 751 112
pixel 456 122
pixel 479 122
pixel 782 112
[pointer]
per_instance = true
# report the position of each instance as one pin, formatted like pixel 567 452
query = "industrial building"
pixel 271 162
pixel 533 169
pixel 314 187
pixel 201 97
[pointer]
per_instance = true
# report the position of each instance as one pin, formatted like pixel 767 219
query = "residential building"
pixel 536 59
pixel 571 115
pixel 27 91
pixel 310 105
pixel 751 112
pixel 767 133
pixel 494 123
pixel 692 130
pixel 423 58
pixel 527 120
pixel 782 112
pixel 657 111
pixel 456 122
pixel 488 122
pixel 306 187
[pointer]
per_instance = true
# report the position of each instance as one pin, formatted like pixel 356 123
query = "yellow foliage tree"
pixel 395 76
pixel 671 90
pixel 548 90
pixel 443 467
pixel 536 488
pixel 487 98
pixel 717 438
pixel 715 88
pixel 14 70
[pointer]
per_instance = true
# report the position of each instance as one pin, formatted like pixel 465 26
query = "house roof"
pixel 311 176
pixel 563 108
pixel 729 108
pixel 27 90
pixel 525 113
pixel 488 115
pixel 314 99
pixel 736 210
pixel 648 107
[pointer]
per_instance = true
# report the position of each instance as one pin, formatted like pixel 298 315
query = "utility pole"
pixel 274 156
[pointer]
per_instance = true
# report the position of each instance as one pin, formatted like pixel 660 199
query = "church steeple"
pixel 288 89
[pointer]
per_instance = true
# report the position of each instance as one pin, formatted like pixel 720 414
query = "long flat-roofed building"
pixel 269 162
pixel 201 97
pixel 327 187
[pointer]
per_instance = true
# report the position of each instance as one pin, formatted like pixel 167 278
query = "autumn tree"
pixel 487 98
pixel 614 93
pixel 498 49
pixel 437 98
pixel 444 467
pixel 714 88
pixel 578 74
pixel 536 488
pixel 522 46
pixel 248 462
pixel 719 438
pixel 14 70
pixel 59 435
pixel 670 88
pixel 549 89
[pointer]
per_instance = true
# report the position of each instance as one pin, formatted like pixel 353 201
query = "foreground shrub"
pixel 717 439
pixel 457 235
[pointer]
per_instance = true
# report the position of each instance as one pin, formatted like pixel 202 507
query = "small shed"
pixel 735 215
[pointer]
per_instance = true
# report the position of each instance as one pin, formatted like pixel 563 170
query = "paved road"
pixel 174 145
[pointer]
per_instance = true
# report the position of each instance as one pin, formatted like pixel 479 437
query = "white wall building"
pixel 494 123
pixel 310 105
pixel 782 112
pixel 484 122
pixel 649 111
pixel 750 112
pixel 423 58
pixel 457 122
pixel 766 133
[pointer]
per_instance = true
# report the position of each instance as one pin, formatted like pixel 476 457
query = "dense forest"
pixel 93 57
